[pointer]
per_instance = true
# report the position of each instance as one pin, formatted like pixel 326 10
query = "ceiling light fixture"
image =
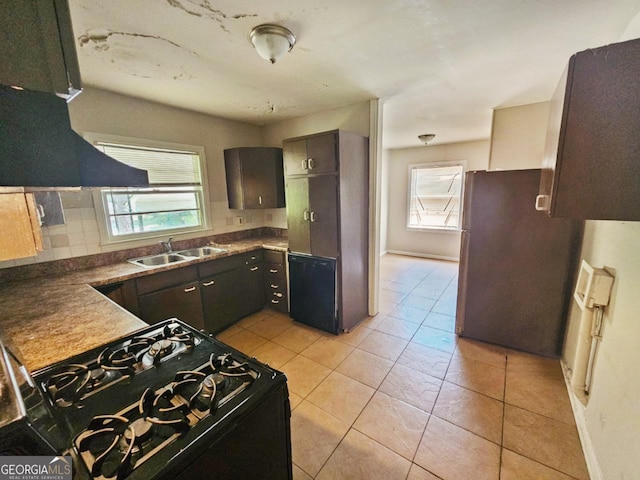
pixel 272 41
pixel 426 137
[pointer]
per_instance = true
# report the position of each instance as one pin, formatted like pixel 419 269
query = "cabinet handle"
pixel 273 286
pixel 305 215
pixel 190 289
pixel 313 216
pixel 208 284
pixel 260 199
pixel 254 269
pixel 275 301
pixel 310 162
pixel 542 203
pixel 273 270
pixel 304 165
pixel 277 294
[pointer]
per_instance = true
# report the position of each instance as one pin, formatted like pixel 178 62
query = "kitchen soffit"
pixel 438 65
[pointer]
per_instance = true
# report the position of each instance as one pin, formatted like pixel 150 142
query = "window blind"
pixel 165 167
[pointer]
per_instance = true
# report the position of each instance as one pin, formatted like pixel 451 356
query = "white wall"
pixel 518 137
pixel 612 414
pixel 352 118
pixel 396 166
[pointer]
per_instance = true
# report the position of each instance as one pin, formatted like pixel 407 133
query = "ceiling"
pixel 440 66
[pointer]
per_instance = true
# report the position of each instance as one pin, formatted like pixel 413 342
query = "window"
pixel 173 202
pixel 435 193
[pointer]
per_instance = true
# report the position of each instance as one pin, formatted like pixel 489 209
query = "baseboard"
pixel 581 424
pixel 423 255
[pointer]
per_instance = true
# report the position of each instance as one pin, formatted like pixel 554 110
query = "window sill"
pixel 434 230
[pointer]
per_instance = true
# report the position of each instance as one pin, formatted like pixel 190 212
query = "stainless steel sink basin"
pixel 201 251
pixel 174 257
pixel 157 260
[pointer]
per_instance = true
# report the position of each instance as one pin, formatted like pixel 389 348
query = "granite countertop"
pixel 57 316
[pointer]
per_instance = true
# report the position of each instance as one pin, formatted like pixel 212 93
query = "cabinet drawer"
pixel 275 270
pixel 250 258
pixel 273 256
pixel 167 279
pixel 221 265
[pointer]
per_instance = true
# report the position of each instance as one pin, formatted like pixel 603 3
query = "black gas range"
pixel 166 402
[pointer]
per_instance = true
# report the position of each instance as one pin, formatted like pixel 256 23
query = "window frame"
pixel 102 215
pixel 427 165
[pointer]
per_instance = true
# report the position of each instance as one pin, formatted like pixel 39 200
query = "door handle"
pixel 313 216
pixel 208 284
pixel 311 163
pixel 305 215
pixel 304 165
pixel 260 199
pixel 189 289
pixel 254 269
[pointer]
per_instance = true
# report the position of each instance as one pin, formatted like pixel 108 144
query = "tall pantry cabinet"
pixel 327 196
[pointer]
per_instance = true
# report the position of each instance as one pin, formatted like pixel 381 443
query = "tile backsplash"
pixel 80 236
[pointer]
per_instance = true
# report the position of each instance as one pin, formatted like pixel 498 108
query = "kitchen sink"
pixel 158 260
pixel 201 251
pixel 175 257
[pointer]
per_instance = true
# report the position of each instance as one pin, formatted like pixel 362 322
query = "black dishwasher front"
pixel 312 289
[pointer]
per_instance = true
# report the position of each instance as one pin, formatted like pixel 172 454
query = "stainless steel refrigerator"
pixel 517 265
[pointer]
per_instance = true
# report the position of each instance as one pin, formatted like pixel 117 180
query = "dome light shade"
pixel 426 138
pixel 272 41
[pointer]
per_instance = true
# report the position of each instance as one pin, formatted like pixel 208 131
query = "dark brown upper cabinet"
pixel 39 49
pixel 591 168
pixel 255 177
pixel 311 155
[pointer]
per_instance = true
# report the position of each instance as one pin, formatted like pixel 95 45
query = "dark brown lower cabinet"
pixel 275 281
pixel 253 292
pixel 122 293
pixel 182 302
pixel 222 298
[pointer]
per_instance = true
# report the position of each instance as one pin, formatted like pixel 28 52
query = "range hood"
pixel 38 148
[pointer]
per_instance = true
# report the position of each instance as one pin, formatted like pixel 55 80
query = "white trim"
pixel 424 255
pixel 434 230
pixel 593 466
pixel 375 187
pixel 105 236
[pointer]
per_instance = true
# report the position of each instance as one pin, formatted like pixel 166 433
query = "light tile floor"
pixel 402 397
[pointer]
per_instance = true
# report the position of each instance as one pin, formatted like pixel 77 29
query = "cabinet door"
pixel 312 215
pixel 253 291
pixel 222 298
pixel 21 234
pixel 591 166
pixel 298 214
pixel 295 157
pixel 263 179
pixel 255 177
pixel 323 216
pixel 182 302
pixel 312 155
pixel 321 154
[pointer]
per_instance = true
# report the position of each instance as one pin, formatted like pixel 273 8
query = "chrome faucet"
pixel 167 245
